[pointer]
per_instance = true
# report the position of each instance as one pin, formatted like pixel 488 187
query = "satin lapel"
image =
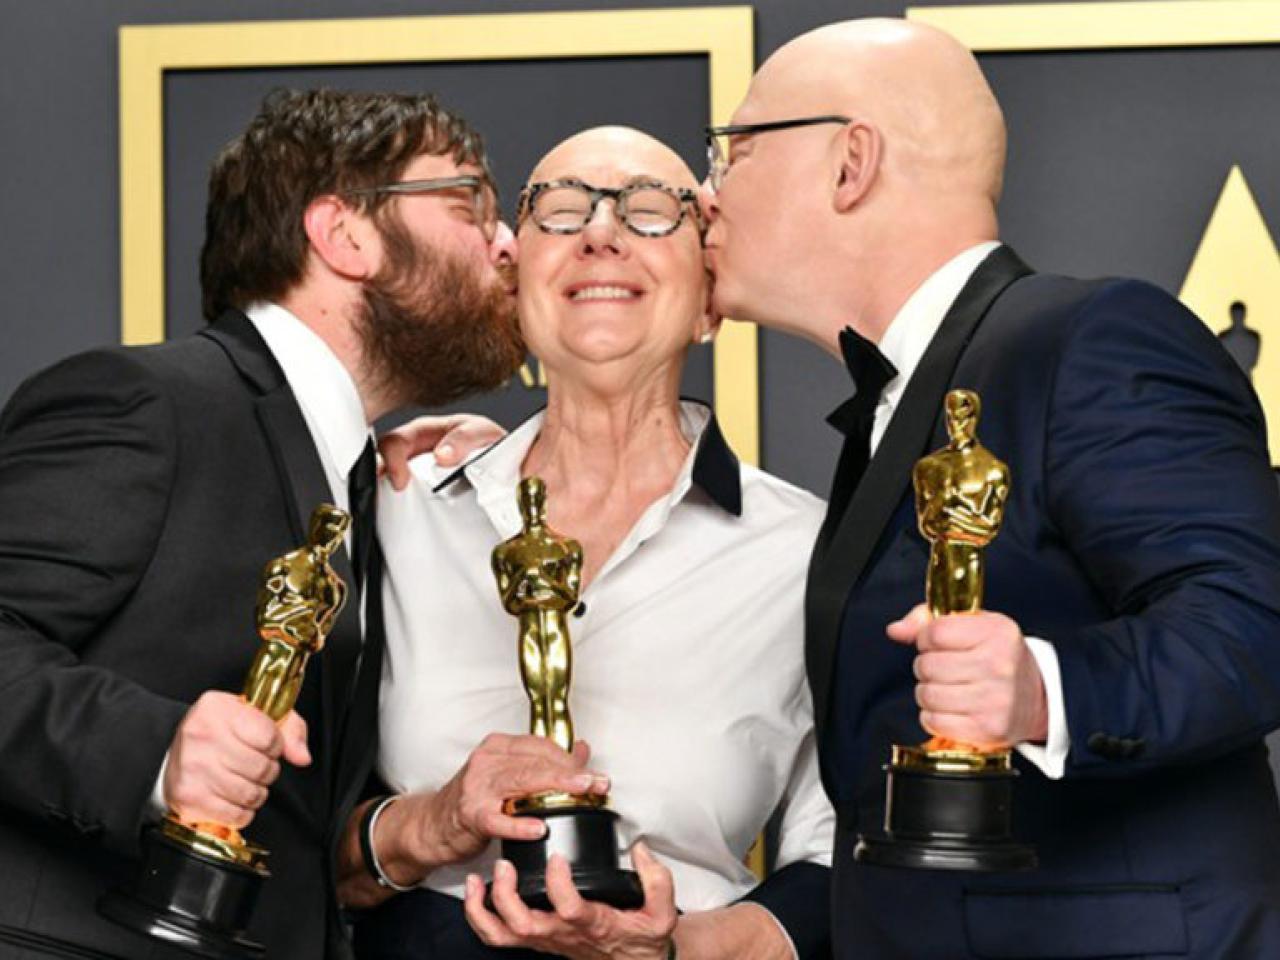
pixel 834 572
pixel 303 482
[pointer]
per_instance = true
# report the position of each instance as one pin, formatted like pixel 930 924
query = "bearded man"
pixel 353 263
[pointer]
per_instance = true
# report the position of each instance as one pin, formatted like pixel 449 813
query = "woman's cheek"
pixel 534 322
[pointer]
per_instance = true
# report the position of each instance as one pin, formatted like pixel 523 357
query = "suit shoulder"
pixel 1052 299
pixel 108 364
pixel 192 362
pixel 1046 315
pixel 1131 302
pixel 113 378
pixel 1131 320
pixel 157 365
pixel 179 378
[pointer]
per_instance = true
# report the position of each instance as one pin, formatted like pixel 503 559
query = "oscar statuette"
pixel 199 881
pixel 539 576
pixel 949 805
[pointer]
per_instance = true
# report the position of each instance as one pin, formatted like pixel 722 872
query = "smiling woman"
pixel 688 678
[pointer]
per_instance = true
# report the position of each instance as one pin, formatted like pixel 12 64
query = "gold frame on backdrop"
pixel 724 34
pixel 1110 24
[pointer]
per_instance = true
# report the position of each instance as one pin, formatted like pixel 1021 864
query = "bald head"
pixel 614 153
pixel 814 226
pixel 920 87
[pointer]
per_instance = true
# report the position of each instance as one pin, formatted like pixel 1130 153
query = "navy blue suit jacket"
pixel 1142 539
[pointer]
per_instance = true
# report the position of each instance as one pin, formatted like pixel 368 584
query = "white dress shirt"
pixel 331 407
pixel 688 657
pixel 904 343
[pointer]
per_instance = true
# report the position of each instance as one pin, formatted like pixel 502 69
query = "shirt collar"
pixel 715 467
pixel 915 323
pixel 321 384
pixel 710 465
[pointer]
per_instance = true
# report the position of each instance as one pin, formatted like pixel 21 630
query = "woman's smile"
pixel 595 291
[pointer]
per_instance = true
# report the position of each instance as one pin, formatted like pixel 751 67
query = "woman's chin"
pixel 601 346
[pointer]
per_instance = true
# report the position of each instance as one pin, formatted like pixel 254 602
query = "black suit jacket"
pixel 1141 539
pixel 142 490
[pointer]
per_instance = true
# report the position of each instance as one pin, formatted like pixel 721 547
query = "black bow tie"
pixel 871 371
pixel 855 418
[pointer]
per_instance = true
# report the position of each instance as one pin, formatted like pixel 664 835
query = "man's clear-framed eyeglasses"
pixel 718 141
pixel 648 208
pixel 483 206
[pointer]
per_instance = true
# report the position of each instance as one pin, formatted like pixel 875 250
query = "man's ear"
pixel 860 148
pixel 343 239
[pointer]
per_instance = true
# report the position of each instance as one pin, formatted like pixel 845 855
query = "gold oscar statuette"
pixel 199 879
pixel 539 575
pixel 949 804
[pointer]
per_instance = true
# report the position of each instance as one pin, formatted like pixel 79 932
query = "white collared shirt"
pixel 913 326
pixel 904 343
pixel 688 659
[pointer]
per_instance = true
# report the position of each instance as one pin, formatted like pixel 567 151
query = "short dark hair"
pixel 304 144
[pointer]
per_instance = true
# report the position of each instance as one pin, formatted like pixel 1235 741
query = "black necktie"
pixel 361 484
pixel 359 675
pixel 344 659
pixel 855 418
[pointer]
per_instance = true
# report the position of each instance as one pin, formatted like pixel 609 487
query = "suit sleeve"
pixel 1158 479
pixel 797 893
pixel 87 456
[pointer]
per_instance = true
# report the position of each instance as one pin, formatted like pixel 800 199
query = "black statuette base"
pixel 587 838
pixel 938 820
pixel 194 903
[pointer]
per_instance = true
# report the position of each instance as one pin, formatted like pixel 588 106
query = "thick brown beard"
pixel 432 331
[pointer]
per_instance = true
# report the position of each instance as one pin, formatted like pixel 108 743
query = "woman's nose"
pixel 603 234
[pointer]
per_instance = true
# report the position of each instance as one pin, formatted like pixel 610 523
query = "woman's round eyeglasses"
pixel 648 208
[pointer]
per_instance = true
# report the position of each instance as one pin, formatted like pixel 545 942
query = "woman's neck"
pixel 590 443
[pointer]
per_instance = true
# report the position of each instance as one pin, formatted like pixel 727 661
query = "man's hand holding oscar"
pixel 977 682
pixel 224 756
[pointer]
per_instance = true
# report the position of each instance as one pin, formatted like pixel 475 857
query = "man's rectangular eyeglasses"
pixel 482 201
pixel 648 208
pixel 718 152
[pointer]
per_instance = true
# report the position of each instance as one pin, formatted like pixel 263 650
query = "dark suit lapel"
pixel 834 571
pixel 303 482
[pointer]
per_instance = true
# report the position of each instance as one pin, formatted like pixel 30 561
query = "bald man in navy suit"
pixel 1130 645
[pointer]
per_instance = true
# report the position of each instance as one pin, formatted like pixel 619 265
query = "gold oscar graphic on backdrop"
pixel 948 805
pixel 1233 285
pixel 539 574
pixel 199 881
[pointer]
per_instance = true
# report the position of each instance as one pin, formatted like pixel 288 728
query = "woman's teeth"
pixel 603 293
